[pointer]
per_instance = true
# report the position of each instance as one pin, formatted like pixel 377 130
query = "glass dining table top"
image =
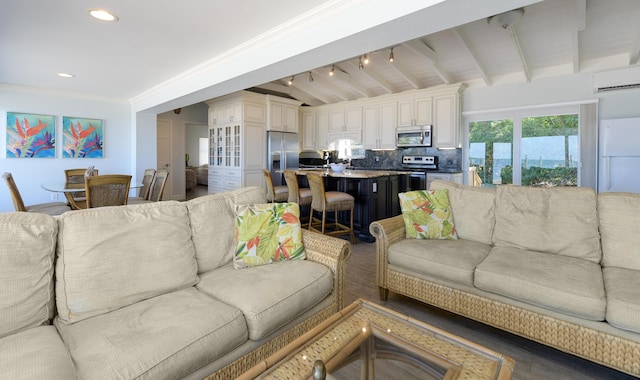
pixel 65 187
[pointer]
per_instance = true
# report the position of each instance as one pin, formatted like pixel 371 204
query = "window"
pixel 203 151
pixel 546 140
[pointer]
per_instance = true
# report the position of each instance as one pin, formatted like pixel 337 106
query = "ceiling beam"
pixel 347 79
pixel 371 73
pixel 292 91
pixel 399 68
pixel 514 37
pixel 468 48
pixel 305 86
pixel 424 50
pixel 579 18
pixel 322 79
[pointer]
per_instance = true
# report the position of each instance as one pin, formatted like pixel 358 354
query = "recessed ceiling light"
pixel 66 75
pixel 103 15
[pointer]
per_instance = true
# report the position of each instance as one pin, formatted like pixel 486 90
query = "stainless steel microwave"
pixel 413 136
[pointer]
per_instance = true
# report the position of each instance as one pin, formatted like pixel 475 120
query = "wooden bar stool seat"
pixel 327 201
pixel 275 193
pixel 301 196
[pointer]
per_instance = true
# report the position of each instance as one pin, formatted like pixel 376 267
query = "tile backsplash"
pixel 448 159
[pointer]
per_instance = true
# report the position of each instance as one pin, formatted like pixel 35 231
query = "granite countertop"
pixel 350 173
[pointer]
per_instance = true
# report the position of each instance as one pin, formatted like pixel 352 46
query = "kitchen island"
pixel 375 193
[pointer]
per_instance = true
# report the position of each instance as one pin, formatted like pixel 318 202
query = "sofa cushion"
pixel 560 283
pixel 623 298
pixel 165 337
pixel 111 257
pixel 26 270
pixel 559 220
pixel 36 353
pixel 619 220
pixel 269 295
pixel 266 233
pixel 427 214
pixel 213 225
pixel 473 210
pixel 453 260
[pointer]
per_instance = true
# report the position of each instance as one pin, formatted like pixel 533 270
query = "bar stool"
pixel 301 196
pixel 325 201
pixel 275 193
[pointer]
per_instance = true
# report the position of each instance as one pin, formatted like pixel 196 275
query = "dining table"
pixel 65 187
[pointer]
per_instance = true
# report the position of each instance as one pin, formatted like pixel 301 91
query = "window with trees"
pixel 547 146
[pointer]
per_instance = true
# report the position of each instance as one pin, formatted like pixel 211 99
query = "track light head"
pixel 360 64
pixel 333 69
pixel 310 77
pixel 391 58
pixel 290 82
pixel 366 59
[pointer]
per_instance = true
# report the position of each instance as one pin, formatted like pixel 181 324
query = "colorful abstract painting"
pixel 83 137
pixel 30 135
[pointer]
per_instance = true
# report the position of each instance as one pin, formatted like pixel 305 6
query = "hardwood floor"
pixel 197 191
pixel 533 360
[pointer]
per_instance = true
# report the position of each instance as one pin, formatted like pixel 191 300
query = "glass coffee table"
pixel 364 334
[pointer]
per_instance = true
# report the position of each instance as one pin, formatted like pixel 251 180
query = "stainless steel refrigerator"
pixel 282 153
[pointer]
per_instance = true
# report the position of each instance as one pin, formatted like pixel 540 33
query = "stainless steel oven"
pixel 419 166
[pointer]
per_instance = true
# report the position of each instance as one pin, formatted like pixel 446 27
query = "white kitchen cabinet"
pixel 345 120
pixel 415 110
pixel 451 177
pixel 308 131
pixel 236 146
pixel 225 112
pixel 379 126
pixel 446 125
pixel 282 114
pixel 322 136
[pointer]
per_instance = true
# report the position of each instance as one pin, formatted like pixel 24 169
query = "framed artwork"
pixel 82 137
pixel 30 135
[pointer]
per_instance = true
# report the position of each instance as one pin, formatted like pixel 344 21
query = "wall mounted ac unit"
pixel 613 80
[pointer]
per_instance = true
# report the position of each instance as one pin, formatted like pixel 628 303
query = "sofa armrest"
pixel 333 253
pixel 386 231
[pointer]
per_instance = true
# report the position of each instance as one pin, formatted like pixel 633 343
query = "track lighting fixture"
pixel 290 82
pixel 391 58
pixel 310 77
pixel 360 64
pixel 333 69
pixel 366 59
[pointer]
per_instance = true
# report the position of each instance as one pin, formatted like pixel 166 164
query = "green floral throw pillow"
pixel 427 214
pixel 266 233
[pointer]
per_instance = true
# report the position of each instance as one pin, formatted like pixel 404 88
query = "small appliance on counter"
pixel 419 165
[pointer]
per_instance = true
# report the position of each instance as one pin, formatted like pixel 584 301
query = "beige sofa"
pixel 150 291
pixel 559 266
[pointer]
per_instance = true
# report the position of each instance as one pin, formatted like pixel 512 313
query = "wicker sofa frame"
pixel 612 351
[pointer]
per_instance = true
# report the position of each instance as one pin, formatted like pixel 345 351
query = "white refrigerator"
pixel 619 155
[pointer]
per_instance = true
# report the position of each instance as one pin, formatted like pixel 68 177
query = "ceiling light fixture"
pixel 360 64
pixel 103 15
pixel 391 58
pixel 506 19
pixel 290 82
pixel 366 59
pixel 66 75
pixel 333 69
pixel 310 77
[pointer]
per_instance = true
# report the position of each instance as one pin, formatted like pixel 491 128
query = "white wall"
pixel 30 173
pixel 565 89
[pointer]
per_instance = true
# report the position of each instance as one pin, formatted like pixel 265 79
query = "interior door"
pixel 164 149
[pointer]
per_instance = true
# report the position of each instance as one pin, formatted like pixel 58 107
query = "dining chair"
pixel 157 190
pixel 75 178
pixel 301 196
pixel 275 193
pixel 327 201
pixel 145 190
pixel 107 190
pixel 50 208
